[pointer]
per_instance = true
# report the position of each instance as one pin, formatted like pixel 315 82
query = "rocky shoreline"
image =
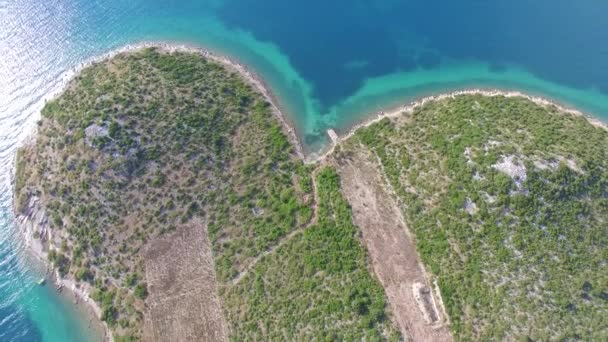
pixel 38 237
pixel 256 81
pixel 251 77
pixel 410 107
pixel 34 224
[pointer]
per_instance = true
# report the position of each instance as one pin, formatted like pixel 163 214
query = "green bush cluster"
pixel 315 287
pixel 147 142
pixel 513 265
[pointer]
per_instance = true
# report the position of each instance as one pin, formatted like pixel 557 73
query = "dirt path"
pixel 183 303
pixel 269 251
pixel 287 237
pixel 391 249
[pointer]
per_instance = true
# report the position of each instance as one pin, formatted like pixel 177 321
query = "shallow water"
pixel 328 62
pixel 29 312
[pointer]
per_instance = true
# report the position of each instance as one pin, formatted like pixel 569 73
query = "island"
pixel 168 191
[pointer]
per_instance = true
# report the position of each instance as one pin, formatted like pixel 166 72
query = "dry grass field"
pixel 391 249
pixel 183 304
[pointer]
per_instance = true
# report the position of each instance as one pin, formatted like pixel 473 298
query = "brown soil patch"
pixel 183 303
pixel 392 252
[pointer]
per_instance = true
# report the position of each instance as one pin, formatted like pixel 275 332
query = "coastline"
pixel 411 106
pixel 252 78
pixel 34 225
pixel 78 293
pixel 36 221
pixel 289 128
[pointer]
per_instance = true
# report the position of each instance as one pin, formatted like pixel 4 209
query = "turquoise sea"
pixel 329 64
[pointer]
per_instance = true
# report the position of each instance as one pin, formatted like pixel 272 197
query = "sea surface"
pixel 329 63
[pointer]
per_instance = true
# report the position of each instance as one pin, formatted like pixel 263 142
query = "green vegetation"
pixel 508 201
pixel 148 142
pixel 316 286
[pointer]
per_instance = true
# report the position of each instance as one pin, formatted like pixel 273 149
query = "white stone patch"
pixel 478 176
pixel 491 144
pixel 454 137
pixel 470 207
pixel 103 97
pixel 467 154
pixel 571 164
pixel 489 198
pixel 131 152
pixel 513 168
pixel 554 164
pixel 508 242
pixel 94 131
pixel 546 165
pixel 257 211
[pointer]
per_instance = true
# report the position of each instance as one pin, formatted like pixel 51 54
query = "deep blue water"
pixel 329 63
pixel 561 41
